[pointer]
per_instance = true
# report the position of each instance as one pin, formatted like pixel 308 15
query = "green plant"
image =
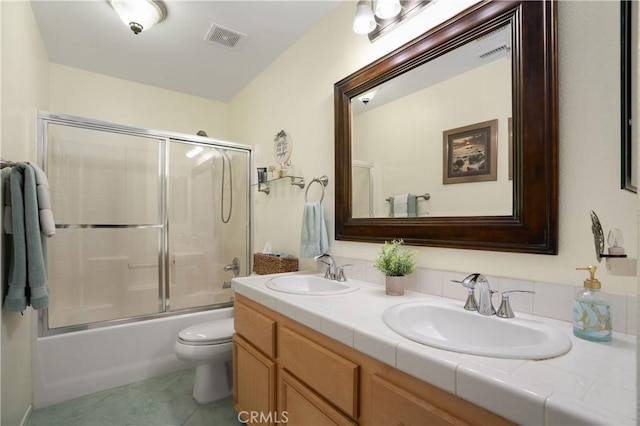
pixel 392 262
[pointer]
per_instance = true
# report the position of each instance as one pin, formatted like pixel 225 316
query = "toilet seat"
pixel 207 333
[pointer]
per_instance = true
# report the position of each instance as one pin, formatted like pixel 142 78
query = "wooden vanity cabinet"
pixel 254 366
pixel 310 379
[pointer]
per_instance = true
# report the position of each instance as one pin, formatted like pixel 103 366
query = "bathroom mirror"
pixel 517 211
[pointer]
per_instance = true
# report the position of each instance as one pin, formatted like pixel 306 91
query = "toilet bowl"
pixel 208 347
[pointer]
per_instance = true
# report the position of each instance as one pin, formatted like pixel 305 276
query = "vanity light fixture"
pixel 139 15
pixel 364 22
pixel 387 9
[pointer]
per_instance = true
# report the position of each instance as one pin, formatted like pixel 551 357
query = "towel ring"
pixel 323 181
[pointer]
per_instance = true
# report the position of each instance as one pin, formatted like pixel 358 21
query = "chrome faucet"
pixel 330 273
pixel 484 304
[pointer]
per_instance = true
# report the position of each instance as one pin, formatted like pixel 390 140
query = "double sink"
pixel 446 325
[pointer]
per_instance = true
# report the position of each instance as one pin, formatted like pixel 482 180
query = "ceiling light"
pixel 139 15
pixel 364 22
pixel 386 9
pixel 368 97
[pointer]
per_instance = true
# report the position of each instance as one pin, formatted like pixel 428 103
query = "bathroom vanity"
pixel 281 366
pixel 305 359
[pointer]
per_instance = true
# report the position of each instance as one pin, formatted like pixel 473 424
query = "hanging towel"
pixel 402 205
pixel 314 240
pixel 47 224
pixel 27 267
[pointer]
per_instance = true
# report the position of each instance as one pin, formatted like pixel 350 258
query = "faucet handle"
pixel 328 274
pixel 470 283
pixel 340 276
pixel 505 311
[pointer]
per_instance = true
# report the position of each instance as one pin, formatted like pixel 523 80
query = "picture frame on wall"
pixel 470 153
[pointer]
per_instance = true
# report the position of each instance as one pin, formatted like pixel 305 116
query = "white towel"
pixel 399 205
pixel 314 240
pixel 47 223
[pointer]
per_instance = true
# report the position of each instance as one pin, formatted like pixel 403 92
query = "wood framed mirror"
pixel 530 222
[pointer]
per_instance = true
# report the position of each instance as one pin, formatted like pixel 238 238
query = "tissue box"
pixel 264 264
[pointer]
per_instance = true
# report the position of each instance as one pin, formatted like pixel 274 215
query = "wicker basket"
pixel 264 264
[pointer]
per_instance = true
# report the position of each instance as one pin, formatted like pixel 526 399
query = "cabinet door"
pixel 254 384
pixel 392 405
pixel 300 406
pixel 330 375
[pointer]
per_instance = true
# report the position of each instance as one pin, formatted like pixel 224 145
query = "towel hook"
pixel 323 181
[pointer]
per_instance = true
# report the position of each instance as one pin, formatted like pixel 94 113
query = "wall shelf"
pixel 295 180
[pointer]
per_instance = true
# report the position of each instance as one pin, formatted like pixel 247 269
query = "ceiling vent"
pixel 491 33
pixel 495 51
pixel 223 36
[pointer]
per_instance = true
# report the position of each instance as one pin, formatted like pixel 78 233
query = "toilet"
pixel 208 346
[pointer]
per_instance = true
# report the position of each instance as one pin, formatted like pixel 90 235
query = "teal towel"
pixel 411 205
pixel 27 266
pixel 314 240
pixel 6 212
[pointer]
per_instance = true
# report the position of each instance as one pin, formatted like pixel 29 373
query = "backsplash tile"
pixel 550 300
pixel 520 302
pixel 453 290
pixel 553 301
pixel 432 281
pixel 632 314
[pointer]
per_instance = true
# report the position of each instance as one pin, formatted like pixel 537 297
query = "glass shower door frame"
pixel 164 261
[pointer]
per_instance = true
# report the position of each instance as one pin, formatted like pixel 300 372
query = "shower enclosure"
pixel 149 223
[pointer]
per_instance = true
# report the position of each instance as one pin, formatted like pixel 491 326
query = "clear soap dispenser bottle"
pixel 591 313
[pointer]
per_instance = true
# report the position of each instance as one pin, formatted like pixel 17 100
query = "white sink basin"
pixel 311 285
pixel 450 327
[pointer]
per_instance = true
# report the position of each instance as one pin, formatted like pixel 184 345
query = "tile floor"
pixel 163 401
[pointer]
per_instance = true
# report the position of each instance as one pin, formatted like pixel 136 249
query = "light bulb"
pixel 386 9
pixel 364 21
pixel 615 241
pixel 138 15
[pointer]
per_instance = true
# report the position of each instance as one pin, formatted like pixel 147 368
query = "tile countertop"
pixel 594 383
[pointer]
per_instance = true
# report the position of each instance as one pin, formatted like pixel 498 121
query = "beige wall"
pixel 121 101
pixel 296 94
pixel 24 89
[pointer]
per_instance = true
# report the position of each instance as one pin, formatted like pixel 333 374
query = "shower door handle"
pixel 235 267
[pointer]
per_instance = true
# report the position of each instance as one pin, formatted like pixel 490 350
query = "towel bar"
pixel 323 181
pixel 426 196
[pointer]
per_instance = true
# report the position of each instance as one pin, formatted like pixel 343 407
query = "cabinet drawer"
pixel 257 328
pixel 303 407
pixel 392 405
pixel 331 376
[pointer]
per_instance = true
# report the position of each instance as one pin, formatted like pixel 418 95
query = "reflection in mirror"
pixel 398 127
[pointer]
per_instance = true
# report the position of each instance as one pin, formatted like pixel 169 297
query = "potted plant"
pixel 395 265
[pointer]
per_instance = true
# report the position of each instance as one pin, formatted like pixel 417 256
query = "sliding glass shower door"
pixel 208 219
pixel 147 224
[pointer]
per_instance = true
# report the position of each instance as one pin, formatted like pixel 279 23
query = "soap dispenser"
pixel 591 313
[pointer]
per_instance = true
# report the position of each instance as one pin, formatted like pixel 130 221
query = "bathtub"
pixel 71 365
